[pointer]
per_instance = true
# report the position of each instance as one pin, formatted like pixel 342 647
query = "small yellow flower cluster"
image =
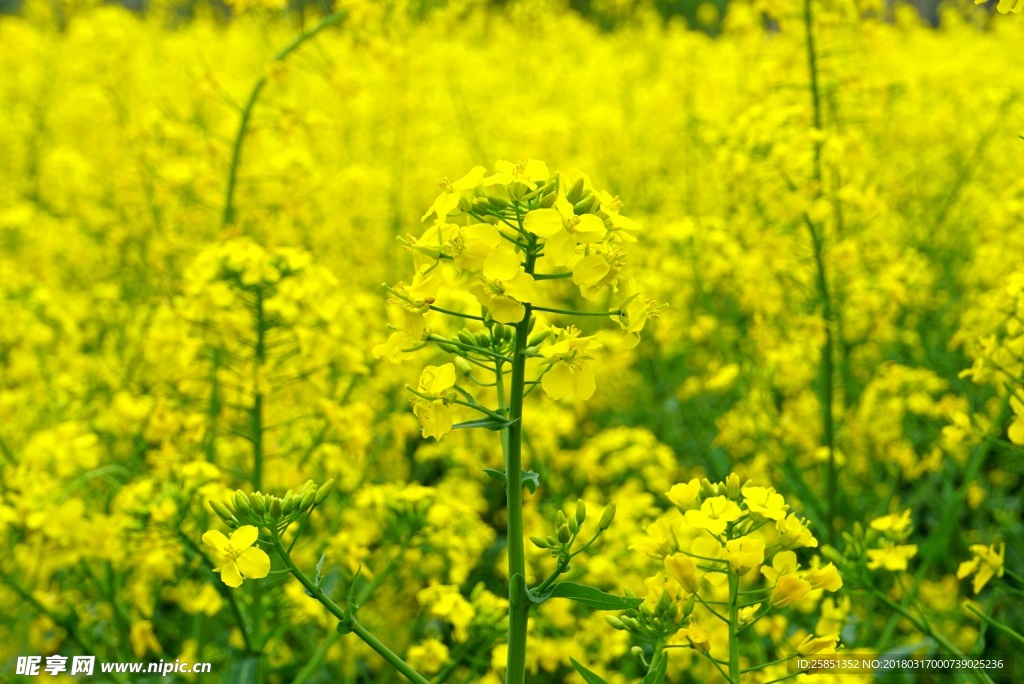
pixel 719 537
pixel 893 554
pixel 494 238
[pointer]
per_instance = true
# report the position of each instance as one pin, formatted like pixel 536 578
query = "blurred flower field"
pixel 765 292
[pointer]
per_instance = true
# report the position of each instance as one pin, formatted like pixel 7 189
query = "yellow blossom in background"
pixel 987 562
pixel 892 557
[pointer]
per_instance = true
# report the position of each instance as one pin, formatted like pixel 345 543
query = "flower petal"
pixel 216 541
pixel 253 563
pixel 230 576
pixel 244 537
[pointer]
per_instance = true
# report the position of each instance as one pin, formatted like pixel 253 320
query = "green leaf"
pixel 586 674
pixel 656 675
pixel 591 597
pixel 489 423
pixel 495 474
pixel 531 480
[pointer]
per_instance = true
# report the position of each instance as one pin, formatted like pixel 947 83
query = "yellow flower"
pixel 596 271
pixel 428 656
pixel 569 375
pixel 893 525
pixel 891 556
pixel 744 553
pixel 430 404
pixel 237 556
pixel 451 193
pixel 563 230
pixel 793 533
pixel 765 501
pixel 986 564
pixel 789 589
pixel 504 285
pixel 783 563
pixel 685 496
pixel 812 645
pixel 824 578
pixel 714 514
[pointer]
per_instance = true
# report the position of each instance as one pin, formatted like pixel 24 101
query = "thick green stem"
pixel 519 604
pixel 734 627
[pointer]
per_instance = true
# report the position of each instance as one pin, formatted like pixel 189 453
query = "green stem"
pixel 568 312
pixel 228 215
pixel 995 623
pixel 734 623
pixel 344 617
pixel 925 628
pixel 315 661
pixel 827 371
pixel 519 605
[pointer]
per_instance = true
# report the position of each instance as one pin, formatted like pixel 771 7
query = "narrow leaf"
pixel 656 675
pixel 591 597
pixel 495 474
pixel 488 423
pixel 589 676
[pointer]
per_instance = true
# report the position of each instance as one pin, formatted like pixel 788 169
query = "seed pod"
pixel 581 511
pixel 607 517
pixel 325 490
pixel 564 535
pixel 275 510
pixel 540 543
pixel 221 510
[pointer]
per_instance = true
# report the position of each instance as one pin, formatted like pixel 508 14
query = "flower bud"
pixel 584 205
pixel 497 202
pixel 689 605
pixel 631 623
pixel 581 511
pixel 274 509
pixel 559 519
pixel 540 543
pixel 307 501
pixel 607 517
pixel 462 365
pixel 221 510
pixel 547 201
pixel 242 502
pixel 325 490
pixel 615 622
pixel 629 593
pixel 538 339
pixel 483 340
pixel 574 526
pixel 259 506
pixel 551 541
pixel 466 337
pixel 637 652
pixel 575 193
pixel 564 535
pixel 732 486
pixel 709 488
pixel 288 507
